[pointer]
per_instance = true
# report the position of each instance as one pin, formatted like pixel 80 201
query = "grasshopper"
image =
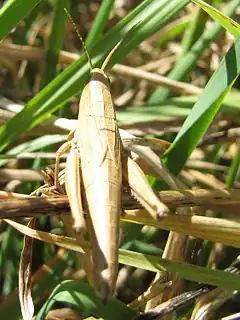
pixel 96 169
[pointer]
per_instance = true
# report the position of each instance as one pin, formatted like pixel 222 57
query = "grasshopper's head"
pixel 99 75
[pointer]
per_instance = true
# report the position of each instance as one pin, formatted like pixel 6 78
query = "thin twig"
pixel 227 135
pixel 183 299
pixel 20 174
pixel 38 54
pixel 214 229
pixel 174 198
pixel 175 86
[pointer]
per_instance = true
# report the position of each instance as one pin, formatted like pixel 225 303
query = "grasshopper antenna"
pixel 80 37
pixel 114 49
pixel 111 53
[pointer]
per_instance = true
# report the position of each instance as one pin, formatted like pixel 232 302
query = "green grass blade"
pixel 34 145
pixel 179 107
pixel 55 41
pixel 50 277
pixel 227 23
pixel 151 113
pixel 151 16
pixel 100 22
pixel 194 31
pixel 190 272
pixel 8 255
pixel 82 296
pixel 204 110
pixel 147 262
pixel 174 32
pixel 186 64
pixel 13 12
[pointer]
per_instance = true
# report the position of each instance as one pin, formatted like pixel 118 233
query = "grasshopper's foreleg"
pixel 72 181
pixel 64 148
pixel 141 188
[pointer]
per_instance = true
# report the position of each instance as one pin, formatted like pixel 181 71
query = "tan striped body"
pixel 93 180
pixel 100 149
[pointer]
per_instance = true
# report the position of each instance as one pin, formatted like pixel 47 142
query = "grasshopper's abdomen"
pixel 100 148
pixel 104 206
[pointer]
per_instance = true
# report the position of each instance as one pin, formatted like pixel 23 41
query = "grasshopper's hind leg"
pixel 141 189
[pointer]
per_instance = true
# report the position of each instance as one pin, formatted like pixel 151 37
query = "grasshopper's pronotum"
pixel 96 169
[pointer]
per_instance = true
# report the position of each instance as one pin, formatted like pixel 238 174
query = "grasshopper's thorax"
pixel 96 98
pixel 100 76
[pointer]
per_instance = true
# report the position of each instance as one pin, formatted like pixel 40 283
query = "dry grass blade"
pixel 28 207
pixel 64 313
pixel 226 135
pixel 20 205
pixel 214 229
pixel 20 174
pixel 33 54
pixel 12 195
pixel 206 303
pixel 25 268
pixel 65 242
pixel 172 304
pixel 146 296
pixel 176 86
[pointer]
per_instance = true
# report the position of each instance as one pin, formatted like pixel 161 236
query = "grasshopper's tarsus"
pixel 48 189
